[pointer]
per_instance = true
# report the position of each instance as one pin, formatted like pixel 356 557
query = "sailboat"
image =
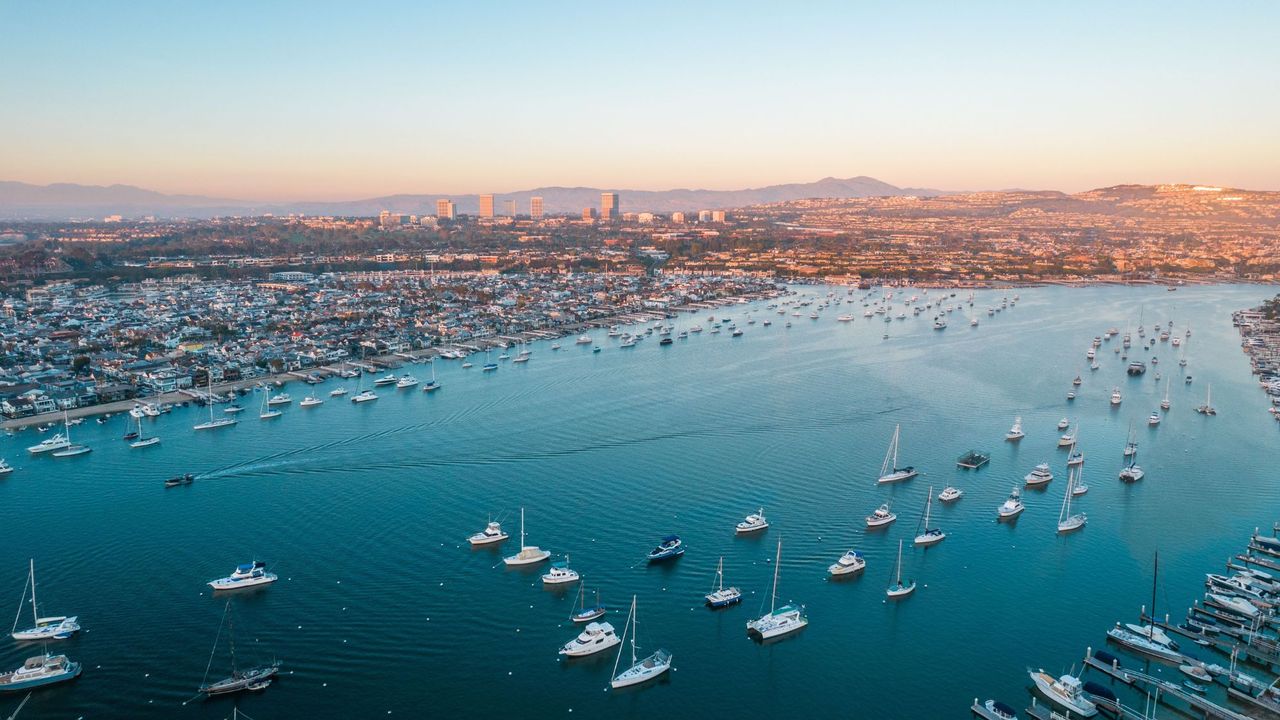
pixel 778 621
pixel 362 395
pixel 897 589
pixel 584 613
pixel 431 384
pixel 489 365
pixel 268 411
pixel 1132 472
pixel 721 596
pixel 1131 447
pixel 643 670
pixel 1015 432
pixel 889 470
pixel 72 449
pixel 1205 409
pixel 220 422
pixel 1164 404
pixel 140 441
pixel 529 554
pixel 928 535
pixel 1066 521
pixel 58 627
pixel 1144 639
pixel 256 678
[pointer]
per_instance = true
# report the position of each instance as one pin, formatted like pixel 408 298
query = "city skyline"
pixel 987 96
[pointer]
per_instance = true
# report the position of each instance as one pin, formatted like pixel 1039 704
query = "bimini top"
pixel 246 567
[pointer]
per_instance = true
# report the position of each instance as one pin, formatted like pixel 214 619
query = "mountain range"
pixel 63 201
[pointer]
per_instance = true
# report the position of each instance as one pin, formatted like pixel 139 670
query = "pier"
pixel 1164 687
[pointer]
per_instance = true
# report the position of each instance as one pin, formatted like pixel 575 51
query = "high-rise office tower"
pixel 609 206
pixel 444 209
pixel 486 206
pixel 535 207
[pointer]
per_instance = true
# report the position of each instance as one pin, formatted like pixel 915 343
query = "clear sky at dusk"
pixel 279 100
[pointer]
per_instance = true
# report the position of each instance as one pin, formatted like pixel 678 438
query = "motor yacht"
pixel 364 396
pixel 280 399
pixel 850 562
pixel 881 517
pixel 1039 476
pixel 670 547
pixel 246 575
pixel 1066 691
pixel 38 671
pixel 338 392
pixel 560 573
pixel 594 638
pixel 1011 507
pixel 754 522
pixel 492 533
pixel 310 401
pixel 950 494
pixel 406 381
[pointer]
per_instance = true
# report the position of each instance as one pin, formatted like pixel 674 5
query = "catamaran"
pixel 1066 521
pixel 529 554
pixel 889 470
pixel 1207 408
pixel 256 678
pixel 778 621
pixel 1132 472
pixel 58 627
pixel 898 589
pixel 213 423
pixel 721 596
pixel 927 535
pixel 640 671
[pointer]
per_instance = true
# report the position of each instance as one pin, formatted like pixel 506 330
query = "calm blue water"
pixel 383 609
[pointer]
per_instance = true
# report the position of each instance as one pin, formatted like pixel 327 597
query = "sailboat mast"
pixel 521 528
pixel 231 636
pixel 35 614
pixel 1154 575
pixel 720 572
pixel 899 571
pixel 928 505
pixel 776 563
pixel 635 629
pixel 897 431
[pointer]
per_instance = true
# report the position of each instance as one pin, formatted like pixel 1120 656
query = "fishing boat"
pixel 898 589
pixel 250 574
pixel 1039 475
pixel 850 562
pixel 1011 507
pixel 926 535
pixel 779 621
pixel 560 573
pixel 310 401
pixel 584 613
pixel 1015 432
pixel 669 548
pixel 1116 397
pixel 640 671
pixel 50 444
pixel 529 554
pixel 889 470
pixel 753 523
pixel 218 423
pixel 972 460
pixel 594 638
pixel 721 596
pixel 881 516
pixel 950 493
pixel 1066 521
pixel 255 678
pixel 39 671
pixel 492 533
pixel 1066 692
pixel 1153 419
pixel 1207 408
pixel 58 627
pixel 140 441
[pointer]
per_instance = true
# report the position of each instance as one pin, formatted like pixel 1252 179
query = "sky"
pixel 341 100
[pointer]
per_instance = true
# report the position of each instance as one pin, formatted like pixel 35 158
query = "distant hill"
pixel 62 201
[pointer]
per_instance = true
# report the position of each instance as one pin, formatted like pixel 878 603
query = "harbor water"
pixel 382 609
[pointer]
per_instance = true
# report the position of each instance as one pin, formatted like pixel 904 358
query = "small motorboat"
pixel 1039 476
pixel 755 522
pixel 177 480
pixel 881 516
pixel 560 573
pixel 310 401
pixel 492 533
pixel 849 563
pixel 950 494
pixel 670 547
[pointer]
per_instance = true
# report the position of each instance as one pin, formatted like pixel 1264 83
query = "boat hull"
pixel 72 672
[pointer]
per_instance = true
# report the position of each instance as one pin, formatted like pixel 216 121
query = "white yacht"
pixel 492 533
pixel 1063 424
pixel 778 621
pixel 1075 458
pixel 849 563
pixel 310 401
pixel 560 573
pixel 386 380
pixel 1012 507
pixel 1066 691
pixel 899 589
pixel 268 412
pixel 338 392
pixel 583 340
pixel 364 396
pixel 279 399
pixel 594 638
pixel 950 493
pixel 640 671
pixel 59 627
pixel 881 516
pixel 889 470
pixel 754 522
pixel 1066 521
pixel 1115 396
pixel 1153 419
pixel 246 575
pixel 5 468
pixel 213 424
pixel 1015 432
pixel 1040 475
pixel 406 381
pixel 529 554
pixel 1068 438
pixel 49 444
pixel 926 534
